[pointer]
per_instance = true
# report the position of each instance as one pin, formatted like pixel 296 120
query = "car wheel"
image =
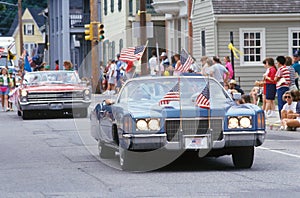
pixel 243 157
pixel 105 152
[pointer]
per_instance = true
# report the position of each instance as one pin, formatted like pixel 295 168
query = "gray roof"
pixel 256 6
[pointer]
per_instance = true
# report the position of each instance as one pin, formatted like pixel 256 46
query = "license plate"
pixel 196 143
pixel 56 106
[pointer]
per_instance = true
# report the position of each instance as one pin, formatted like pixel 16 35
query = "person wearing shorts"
pixel 270 86
pixel 4 88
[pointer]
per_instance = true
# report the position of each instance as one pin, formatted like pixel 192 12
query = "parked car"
pixel 173 115
pixel 52 92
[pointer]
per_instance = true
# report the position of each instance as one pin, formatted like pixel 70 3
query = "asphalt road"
pixel 58 158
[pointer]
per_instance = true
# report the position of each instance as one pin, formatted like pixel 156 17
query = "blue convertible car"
pixel 153 120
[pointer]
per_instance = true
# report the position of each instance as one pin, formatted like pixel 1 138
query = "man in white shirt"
pixel 153 63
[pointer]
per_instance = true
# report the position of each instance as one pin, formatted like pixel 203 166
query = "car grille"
pixel 54 96
pixel 193 127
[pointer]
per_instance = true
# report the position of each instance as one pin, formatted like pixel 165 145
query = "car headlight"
pixel 233 123
pixel 154 124
pixel 86 92
pixel 245 122
pixel 24 93
pixel 142 125
pixel 150 124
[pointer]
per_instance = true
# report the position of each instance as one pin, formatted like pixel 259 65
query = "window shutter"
pixel 24 27
pixel 32 26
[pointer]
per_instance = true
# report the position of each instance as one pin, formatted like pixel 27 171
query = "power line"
pixel 6 3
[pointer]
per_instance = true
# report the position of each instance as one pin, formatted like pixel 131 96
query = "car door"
pixel 105 122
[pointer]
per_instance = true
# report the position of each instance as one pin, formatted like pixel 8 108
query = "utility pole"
pixel 94 44
pixel 20 29
pixel 143 36
pixel 232 55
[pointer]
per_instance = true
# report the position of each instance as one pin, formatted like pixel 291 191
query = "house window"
pixel 112 6
pixel 130 7
pixel 252 42
pixel 28 29
pixel 29 47
pixel 105 49
pixel 113 50
pixel 294 40
pixel 120 45
pixel 203 44
pixel 105 7
pixel 119 5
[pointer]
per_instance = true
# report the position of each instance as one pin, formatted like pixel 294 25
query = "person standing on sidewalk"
pixel 296 66
pixel 269 77
pixel 282 79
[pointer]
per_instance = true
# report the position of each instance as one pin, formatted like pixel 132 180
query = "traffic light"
pixel 101 32
pixel 88 32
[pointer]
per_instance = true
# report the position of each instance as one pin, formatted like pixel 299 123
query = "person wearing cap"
pixel 296 66
pixel 47 67
pixel 164 61
pixel 234 86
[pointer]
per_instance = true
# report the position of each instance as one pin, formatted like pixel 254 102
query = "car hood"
pixel 243 109
pixel 50 88
pixel 146 111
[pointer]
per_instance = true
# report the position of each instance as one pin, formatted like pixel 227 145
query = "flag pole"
pixel 180 114
pixel 157 57
pixel 140 61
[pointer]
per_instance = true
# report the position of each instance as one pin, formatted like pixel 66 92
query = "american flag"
pixel 186 61
pixel 203 98
pixel 172 95
pixel 132 53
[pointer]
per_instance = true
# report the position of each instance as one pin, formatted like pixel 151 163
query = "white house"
pixel 260 29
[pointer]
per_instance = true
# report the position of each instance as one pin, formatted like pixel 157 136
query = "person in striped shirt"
pixel 282 77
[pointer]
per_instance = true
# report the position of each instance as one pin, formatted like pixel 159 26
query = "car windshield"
pixel 174 91
pixel 51 77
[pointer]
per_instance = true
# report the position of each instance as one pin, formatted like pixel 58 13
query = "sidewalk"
pixel 273 123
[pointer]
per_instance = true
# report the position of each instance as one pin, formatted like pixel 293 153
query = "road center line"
pixel 280 152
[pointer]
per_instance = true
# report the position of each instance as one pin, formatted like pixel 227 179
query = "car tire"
pixel 26 115
pixel 243 157
pixel 19 113
pixel 105 152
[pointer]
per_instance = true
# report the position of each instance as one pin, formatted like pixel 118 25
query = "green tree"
pixel 9 13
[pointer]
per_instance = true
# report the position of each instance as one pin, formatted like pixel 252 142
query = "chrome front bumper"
pixel 155 141
pixel 55 105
